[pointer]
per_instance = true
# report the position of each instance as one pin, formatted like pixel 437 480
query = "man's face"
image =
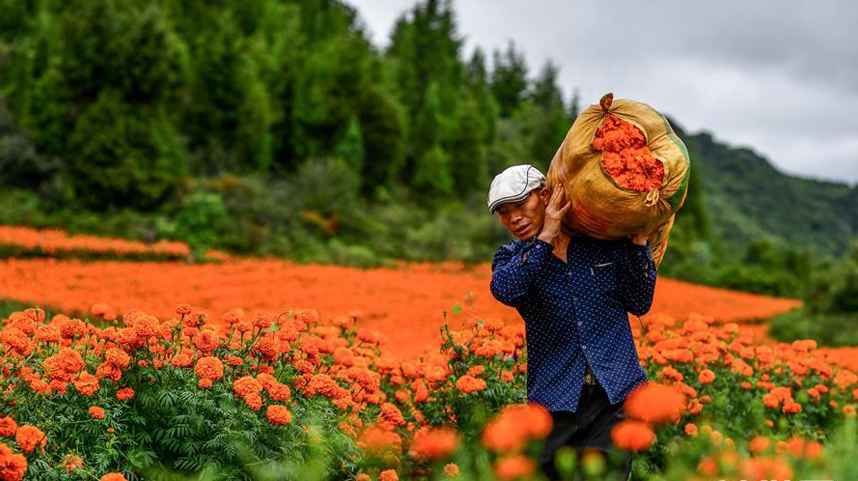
pixel 524 218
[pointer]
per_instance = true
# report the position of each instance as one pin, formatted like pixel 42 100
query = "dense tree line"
pixel 122 100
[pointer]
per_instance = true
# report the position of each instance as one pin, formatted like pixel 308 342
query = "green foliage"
pixel 509 79
pixel 201 221
pixel 119 159
pixel 830 311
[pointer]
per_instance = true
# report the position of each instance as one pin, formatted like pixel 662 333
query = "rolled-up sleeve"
pixel 636 278
pixel 513 270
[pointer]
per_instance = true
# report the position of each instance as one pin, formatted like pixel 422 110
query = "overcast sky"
pixel 779 77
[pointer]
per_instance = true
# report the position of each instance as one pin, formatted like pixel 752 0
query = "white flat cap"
pixel 513 185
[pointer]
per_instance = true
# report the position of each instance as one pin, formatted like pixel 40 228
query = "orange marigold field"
pixel 80 397
pixel 52 241
pixel 413 295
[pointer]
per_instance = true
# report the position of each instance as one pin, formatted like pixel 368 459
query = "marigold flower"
pixel 655 404
pixel 511 467
pixel 322 384
pixel 86 384
pixel 437 443
pixel 253 401
pixel 63 365
pixel 234 361
pixel 183 359
pixel 435 374
pixel 765 468
pixel 691 429
pixel 48 333
pixel 451 470
pixel 670 373
pixel 515 425
pixel 17 340
pixel 759 444
pixel 849 410
pixel 183 309
pixel 246 385
pixel 207 341
pixel 791 407
pixel 771 401
pixel 8 426
pixel 117 357
pixel 707 467
pixel 388 475
pixel 390 415
pixel 378 440
pixel 278 415
pixel 210 368
pixel 631 435
pixel 706 376
pixel 70 462
pixel 468 384
pixel 363 477
pixel 112 477
pixel 146 326
pixel 13 466
pixel 125 394
pixel 29 438
pixel 421 392
pixel 96 412
pixel 279 392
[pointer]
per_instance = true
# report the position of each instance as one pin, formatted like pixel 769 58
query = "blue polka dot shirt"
pixel 576 313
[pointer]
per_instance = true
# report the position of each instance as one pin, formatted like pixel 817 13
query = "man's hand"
pixel 554 213
pixel 640 239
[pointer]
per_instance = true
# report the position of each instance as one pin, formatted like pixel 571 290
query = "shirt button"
pixel 575 298
pixel 579 323
pixel 583 346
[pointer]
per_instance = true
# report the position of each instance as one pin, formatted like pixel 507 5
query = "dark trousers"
pixel 588 427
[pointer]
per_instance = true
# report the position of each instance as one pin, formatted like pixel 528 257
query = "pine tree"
pixel 550 121
pixel 509 79
pixel 350 147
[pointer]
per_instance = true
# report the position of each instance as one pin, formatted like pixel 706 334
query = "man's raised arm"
pixel 512 273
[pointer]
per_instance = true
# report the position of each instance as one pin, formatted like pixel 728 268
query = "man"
pixel 574 293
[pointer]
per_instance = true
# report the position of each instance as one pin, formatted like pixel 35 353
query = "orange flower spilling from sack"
pixel 632 435
pixel 655 404
pixel 626 157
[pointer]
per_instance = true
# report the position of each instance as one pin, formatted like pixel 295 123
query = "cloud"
pixel 780 77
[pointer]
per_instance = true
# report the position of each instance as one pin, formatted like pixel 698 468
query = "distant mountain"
pixel 747 198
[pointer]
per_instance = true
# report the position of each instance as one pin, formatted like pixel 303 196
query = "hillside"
pixel 747 198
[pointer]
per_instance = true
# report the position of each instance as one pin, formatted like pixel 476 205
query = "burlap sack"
pixel 601 207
